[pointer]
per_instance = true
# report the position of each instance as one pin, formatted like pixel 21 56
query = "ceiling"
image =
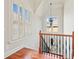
pixel 34 4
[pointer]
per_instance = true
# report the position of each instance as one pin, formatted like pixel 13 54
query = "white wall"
pixel 32 28
pixel 32 40
pixel 68 16
pixel 56 10
pixel 11 46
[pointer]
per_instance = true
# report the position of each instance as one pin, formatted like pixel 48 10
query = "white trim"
pixel 8 53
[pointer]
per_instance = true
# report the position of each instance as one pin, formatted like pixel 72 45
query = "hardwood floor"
pixel 26 53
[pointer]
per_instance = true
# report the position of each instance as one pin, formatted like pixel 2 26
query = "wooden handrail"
pixel 54 34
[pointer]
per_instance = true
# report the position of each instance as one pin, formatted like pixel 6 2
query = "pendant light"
pixel 50 18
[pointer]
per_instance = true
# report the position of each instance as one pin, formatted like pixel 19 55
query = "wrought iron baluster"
pixel 51 41
pixel 40 43
pixel 49 44
pixel 60 46
pixel 51 47
pixel 69 47
pixel 44 45
pixel 54 45
pixel 66 46
pixel 57 46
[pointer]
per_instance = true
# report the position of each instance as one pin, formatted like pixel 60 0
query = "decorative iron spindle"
pixel 54 45
pixel 66 47
pixel 69 48
pixel 60 46
pixel 42 44
pixel 49 44
pixel 63 46
pixel 57 45
pixel 45 41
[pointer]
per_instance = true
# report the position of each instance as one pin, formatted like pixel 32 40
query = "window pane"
pixel 15 8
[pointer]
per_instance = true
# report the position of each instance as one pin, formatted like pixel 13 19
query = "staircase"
pixel 48 52
pixel 57 46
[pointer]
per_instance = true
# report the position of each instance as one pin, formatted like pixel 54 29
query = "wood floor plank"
pixel 26 53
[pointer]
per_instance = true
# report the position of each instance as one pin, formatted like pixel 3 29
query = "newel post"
pixel 72 45
pixel 40 50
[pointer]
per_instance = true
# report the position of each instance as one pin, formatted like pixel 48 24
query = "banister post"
pixel 72 45
pixel 40 51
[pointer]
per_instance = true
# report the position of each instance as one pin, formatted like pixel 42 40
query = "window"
pixel 15 8
pixel 52 24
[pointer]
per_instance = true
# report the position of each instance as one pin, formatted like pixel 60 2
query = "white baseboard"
pixel 12 51
pixel 8 53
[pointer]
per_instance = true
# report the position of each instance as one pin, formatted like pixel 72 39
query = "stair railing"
pixel 59 45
